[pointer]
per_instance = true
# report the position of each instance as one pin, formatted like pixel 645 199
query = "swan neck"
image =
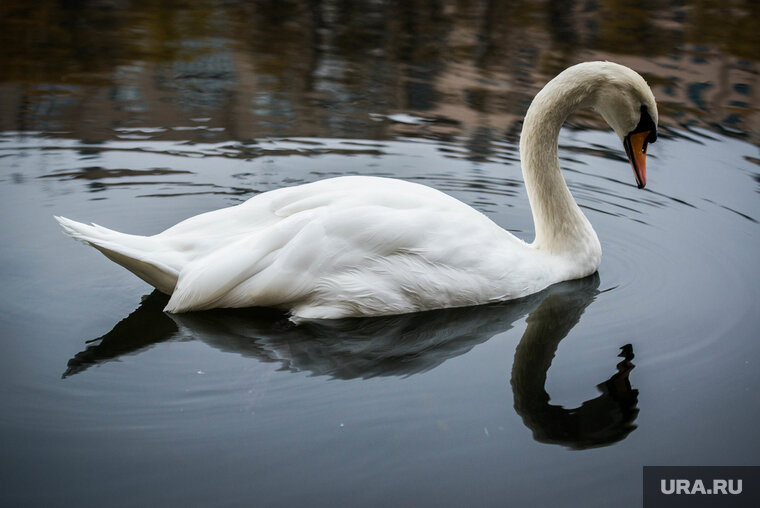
pixel 560 224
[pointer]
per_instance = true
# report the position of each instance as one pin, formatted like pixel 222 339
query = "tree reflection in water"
pixel 260 68
pixel 402 346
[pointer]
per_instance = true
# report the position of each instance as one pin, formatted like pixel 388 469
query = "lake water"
pixel 136 115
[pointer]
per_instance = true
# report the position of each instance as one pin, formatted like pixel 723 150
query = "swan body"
pixel 369 246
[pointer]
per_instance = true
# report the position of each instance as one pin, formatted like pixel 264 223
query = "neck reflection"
pixel 597 422
pixel 401 346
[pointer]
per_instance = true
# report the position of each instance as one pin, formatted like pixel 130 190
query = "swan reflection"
pixel 597 422
pixel 401 346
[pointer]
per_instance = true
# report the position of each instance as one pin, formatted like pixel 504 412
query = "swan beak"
pixel 635 145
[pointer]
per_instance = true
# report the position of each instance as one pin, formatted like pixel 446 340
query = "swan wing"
pixel 351 246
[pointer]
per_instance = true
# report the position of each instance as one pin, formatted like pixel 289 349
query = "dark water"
pixel 138 114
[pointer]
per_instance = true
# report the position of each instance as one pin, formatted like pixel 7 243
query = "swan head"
pixel 627 104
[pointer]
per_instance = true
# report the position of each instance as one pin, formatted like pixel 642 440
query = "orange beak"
pixel 635 145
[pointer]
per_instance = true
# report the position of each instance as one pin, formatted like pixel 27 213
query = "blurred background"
pixel 246 69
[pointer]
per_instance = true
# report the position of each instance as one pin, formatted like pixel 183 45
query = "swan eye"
pixel 635 144
pixel 646 124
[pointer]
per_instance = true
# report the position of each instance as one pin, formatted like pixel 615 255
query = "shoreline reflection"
pixel 402 346
pixel 247 70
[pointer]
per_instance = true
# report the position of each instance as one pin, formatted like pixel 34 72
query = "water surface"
pixel 136 115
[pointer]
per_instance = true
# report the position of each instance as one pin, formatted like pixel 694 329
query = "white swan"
pixel 367 246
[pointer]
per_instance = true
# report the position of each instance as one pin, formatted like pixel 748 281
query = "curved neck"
pixel 560 225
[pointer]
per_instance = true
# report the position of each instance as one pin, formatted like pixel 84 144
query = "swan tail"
pixel 138 254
